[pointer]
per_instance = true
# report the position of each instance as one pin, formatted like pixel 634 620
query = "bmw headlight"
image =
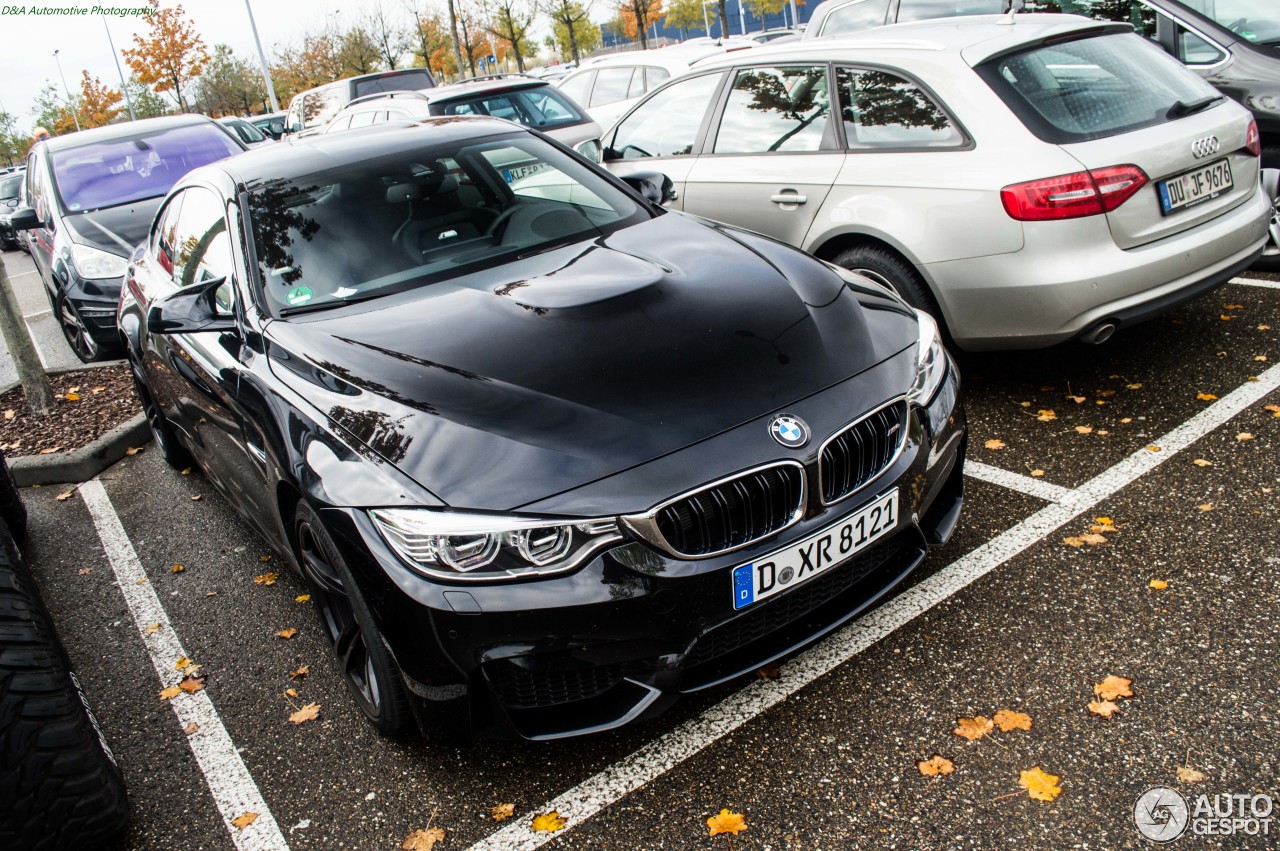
pixel 93 264
pixel 456 545
pixel 931 361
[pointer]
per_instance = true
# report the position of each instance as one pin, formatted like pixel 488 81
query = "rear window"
pixel 410 81
pixel 1093 87
pixel 107 174
pixel 542 107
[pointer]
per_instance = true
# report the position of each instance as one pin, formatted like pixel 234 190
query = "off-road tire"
pixel 60 786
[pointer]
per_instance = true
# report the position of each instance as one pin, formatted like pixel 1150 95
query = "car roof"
pixel 976 38
pixel 320 153
pixel 125 130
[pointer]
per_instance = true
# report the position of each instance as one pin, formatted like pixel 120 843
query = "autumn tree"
pixel 433 47
pixel 761 8
pixel 636 16
pixel 686 15
pixel 316 62
pixel 387 36
pixel 170 55
pixel 98 104
pixel 229 85
pixel 52 112
pixel 358 52
pixel 509 22
pixel 572 27
pixel 146 103
pixel 13 145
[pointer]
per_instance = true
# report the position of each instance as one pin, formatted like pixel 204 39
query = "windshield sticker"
pixel 343 292
pixel 298 295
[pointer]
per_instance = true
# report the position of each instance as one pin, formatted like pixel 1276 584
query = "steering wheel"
pixel 498 227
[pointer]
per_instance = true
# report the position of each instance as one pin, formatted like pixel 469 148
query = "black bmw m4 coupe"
pixel 548 454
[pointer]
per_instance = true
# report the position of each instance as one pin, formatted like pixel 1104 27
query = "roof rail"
pixel 381 95
pixel 498 77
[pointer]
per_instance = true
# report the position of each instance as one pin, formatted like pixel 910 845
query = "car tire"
pixel 60 785
pixel 371 675
pixel 12 511
pixel 889 270
pixel 166 436
pixel 1270 259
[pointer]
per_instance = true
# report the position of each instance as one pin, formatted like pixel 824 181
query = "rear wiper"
pixel 1184 108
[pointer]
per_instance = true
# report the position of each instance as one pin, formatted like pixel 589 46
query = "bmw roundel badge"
pixel 792 432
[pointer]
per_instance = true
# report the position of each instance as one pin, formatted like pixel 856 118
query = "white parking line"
pixel 666 752
pixel 37 313
pixel 1257 282
pixel 234 790
pixel 1038 488
pixel 22 274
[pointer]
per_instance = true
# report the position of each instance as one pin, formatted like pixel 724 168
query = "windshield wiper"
pixel 1183 108
pixel 325 305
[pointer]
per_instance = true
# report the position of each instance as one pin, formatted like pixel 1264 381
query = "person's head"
pixel 40 135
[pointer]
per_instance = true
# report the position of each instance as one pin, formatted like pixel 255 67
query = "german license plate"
pixel 520 172
pixel 1196 186
pixel 800 562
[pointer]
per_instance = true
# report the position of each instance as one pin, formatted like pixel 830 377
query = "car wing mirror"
pixel 189 310
pixel 24 218
pixel 655 186
pixel 590 149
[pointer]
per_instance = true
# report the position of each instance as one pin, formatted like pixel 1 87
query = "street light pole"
pixel 124 87
pixel 262 57
pixel 70 105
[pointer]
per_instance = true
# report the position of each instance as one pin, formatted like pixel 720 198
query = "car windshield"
pixel 542 107
pixel 107 174
pixel 416 218
pixel 1095 87
pixel 9 186
pixel 247 132
pixel 1256 20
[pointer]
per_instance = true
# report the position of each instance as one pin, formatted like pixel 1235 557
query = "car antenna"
pixel 1012 7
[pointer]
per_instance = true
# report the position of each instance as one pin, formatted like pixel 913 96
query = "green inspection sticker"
pixel 298 295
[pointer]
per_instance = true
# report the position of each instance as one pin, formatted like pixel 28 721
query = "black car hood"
pixel 115 229
pixel 495 390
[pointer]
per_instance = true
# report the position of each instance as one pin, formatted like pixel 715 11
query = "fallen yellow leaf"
pixel 727 822
pixel 182 663
pixel 1113 687
pixel 973 728
pixel 244 820
pixel 1084 429
pixel 1233 307
pixel 1079 400
pixel 995 444
pixel 1105 708
pixel 1224 317
pixel 548 822
pixel 287 633
pixel 1158 584
pixel 423 840
pixel 1007 719
pixel 935 765
pixel 1046 415
pixel 301 671
pixel 191 728
pixel 152 629
pixel 63 497
pixel 1206 506
pixel 1104 521
pixel 10 413
pixel 502 812
pixel 197 498
pixel 306 713
pixel 72 397
pixel 1260 357
pixel 266 579
pixel 1200 462
pixel 1206 397
pixel 191 685
pixel 1187 774
pixel 1244 435
pixel 1037 473
pixel 84 570
pixel 1153 448
pixel 133 450
pixel 291 692
pixel 265 558
pixel 1039 784
pixel 170 693
pixel 1134 386
pixel 177 568
pixel 302 598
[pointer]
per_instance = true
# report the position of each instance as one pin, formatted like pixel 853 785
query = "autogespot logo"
pixel 1161 814
pixel 791 432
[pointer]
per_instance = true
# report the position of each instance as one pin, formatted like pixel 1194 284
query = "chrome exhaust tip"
pixel 1099 333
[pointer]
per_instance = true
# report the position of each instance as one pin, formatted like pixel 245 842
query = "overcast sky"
pixel 29 40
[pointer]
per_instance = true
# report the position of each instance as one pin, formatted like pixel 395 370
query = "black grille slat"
pixel 732 513
pixel 861 452
pixel 518 688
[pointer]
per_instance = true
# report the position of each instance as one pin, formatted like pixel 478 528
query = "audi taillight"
pixel 1073 196
pixel 1253 140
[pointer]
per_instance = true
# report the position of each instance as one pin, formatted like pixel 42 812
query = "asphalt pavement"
pixel 1007 616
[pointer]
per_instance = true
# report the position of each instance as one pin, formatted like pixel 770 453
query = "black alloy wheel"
pixel 366 666
pixel 74 329
pixel 166 436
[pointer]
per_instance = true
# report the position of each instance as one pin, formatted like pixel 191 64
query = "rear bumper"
pixel 624 636
pixel 1070 276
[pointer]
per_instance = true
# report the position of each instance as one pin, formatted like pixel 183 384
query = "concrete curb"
pixel 80 465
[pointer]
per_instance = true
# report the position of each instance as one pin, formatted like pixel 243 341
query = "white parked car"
pixel 1028 181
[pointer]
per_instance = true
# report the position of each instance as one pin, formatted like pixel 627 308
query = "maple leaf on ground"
pixel 152 629
pixel 291 692
pixel 1200 462
pixel 502 812
pixel 423 840
pixel 1134 386
pixel 177 568
pixel 302 671
pixel 727 822
pixel 134 450
pixel 1158 584
pixel 183 662
pixel 266 579
pixel 244 820
pixel 1153 448
pixel 191 729
pixel 995 444
pixel 191 685
pixel 548 822
pixel 287 633
pixel 935 765
pixel 170 693
pixel 84 570
pixel 302 598
pixel 1113 687
pixel 1187 774
pixel 306 713
pixel 1007 719
pixel 973 728
pixel 1205 397
pixel 1244 435
pixel 1205 506
pixel 1037 473
pixel 1046 415
pixel 1040 784
pixel 63 497
pixel 1079 400
pixel 1084 429
pixel 1105 708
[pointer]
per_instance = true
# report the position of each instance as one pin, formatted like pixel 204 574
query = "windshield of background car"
pixel 107 174
pixel 411 81
pixel 247 132
pixel 420 217
pixel 9 186
pixel 1255 20
pixel 1092 88
pixel 541 107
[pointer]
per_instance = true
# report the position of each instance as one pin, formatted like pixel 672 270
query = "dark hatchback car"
pixel 93 195
pixel 547 454
pixel 10 190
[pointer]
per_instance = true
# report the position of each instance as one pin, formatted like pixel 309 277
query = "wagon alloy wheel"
pixel 76 332
pixel 364 662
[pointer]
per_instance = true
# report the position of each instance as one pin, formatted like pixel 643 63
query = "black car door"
pixel 195 377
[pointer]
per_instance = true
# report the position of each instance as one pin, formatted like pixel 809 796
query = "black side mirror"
pixel 655 186
pixel 189 310
pixel 24 218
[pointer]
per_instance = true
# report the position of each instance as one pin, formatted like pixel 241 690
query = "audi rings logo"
pixel 1206 147
pixel 1161 814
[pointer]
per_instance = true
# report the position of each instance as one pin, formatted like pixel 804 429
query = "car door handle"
pixel 788 198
